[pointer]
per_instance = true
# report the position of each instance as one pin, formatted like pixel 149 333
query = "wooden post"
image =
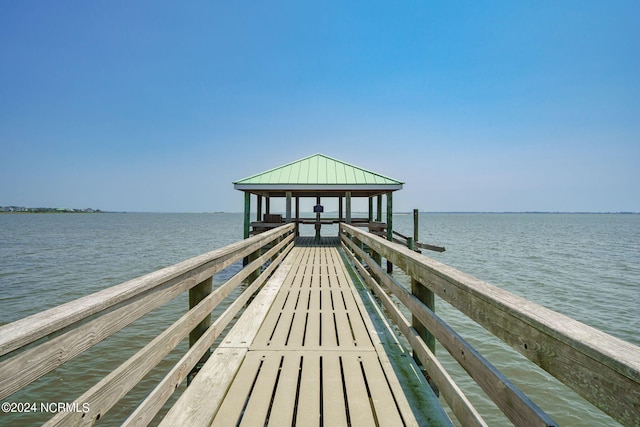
pixel 317 224
pixel 252 257
pixel 288 212
pixel 340 217
pixel 259 209
pixel 376 257
pixel 267 205
pixel 197 294
pixel 247 220
pixel 426 296
pixel 358 244
pixel 389 225
pixel 370 209
pixel 379 211
pixel 348 203
pixel 247 208
pixel 415 225
pixel 297 229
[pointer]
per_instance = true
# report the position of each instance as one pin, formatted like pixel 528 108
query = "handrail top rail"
pixel 623 356
pixel 31 328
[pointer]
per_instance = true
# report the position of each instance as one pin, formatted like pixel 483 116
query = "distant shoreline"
pixel 23 210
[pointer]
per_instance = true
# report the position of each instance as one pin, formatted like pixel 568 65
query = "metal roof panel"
pixel 318 169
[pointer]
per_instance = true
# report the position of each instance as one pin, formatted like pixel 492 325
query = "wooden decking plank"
pixel 332 275
pixel 328 331
pixel 357 398
pixel 247 326
pixel 264 334
pixel 190 409
pixel 308 409
pixel 339 272
pixel 283 331
pixel 306 254
pixel 304 277
pixel 231 408
pixel 345 335
pixel 284 402
pixel 259 405
pixel 381 397
pixel 334 412
pixel 312 333
pixel 298 329
pixel 315 277
pixel 326 302
pixel 355 318
pixel 303 300
pixel 285 298
pixel 314 299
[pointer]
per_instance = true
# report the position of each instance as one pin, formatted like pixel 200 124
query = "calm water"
pixel 584 266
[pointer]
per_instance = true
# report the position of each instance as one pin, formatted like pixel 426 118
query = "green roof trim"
pixel 317 170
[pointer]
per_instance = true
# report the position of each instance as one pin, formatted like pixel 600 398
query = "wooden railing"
pixel 33 346
pixel 603 369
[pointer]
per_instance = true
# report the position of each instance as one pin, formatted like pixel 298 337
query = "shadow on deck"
pixel 311 241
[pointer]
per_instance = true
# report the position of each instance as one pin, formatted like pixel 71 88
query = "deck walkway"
pixel 308 351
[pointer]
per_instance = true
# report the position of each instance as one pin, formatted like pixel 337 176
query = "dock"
pixel 314 331
pixel 305 353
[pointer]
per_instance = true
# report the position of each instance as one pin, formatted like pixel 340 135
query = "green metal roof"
pixel 318 171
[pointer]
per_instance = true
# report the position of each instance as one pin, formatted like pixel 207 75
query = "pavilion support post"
pixel 267 205
pixel 379 210
pixel 197 294
pixel 288 212
pixel 317 224
pixel 348 206
pixel 297 231
pixel 247 220
pixel 247 225
pixel 340 217
pixel 389 225
pixel 259 209
pixel 247 209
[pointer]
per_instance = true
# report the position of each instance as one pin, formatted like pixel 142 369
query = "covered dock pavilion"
pixel 318 176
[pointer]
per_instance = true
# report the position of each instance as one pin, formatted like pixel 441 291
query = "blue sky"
pixel 477 106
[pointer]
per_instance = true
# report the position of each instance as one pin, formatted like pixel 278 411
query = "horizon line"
pixel 394 213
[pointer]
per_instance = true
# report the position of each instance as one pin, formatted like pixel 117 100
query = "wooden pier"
pixel 314 331
pixel 305 353
pixel 311 345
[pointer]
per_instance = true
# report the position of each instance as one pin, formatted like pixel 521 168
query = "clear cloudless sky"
pixel 475 105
